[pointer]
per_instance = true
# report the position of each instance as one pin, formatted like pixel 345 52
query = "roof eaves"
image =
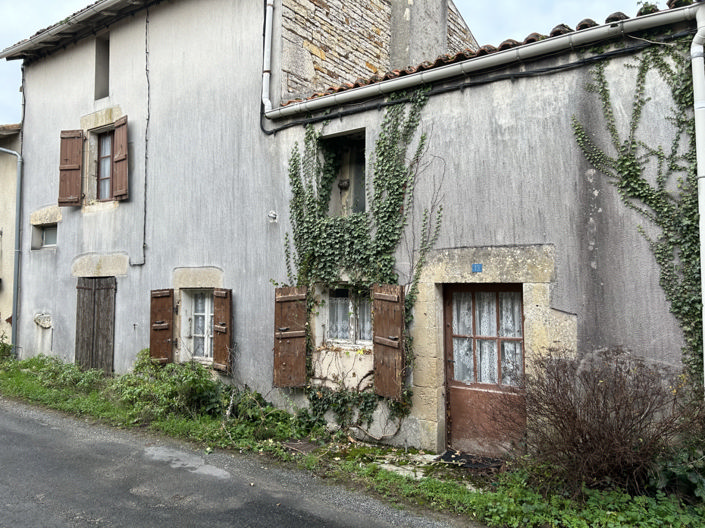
pixel 79 25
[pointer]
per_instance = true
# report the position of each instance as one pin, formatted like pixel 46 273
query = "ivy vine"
pixel 359 249
pixel 668 198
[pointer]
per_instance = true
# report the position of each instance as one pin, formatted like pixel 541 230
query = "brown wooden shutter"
pixel 388 339
pixel 120 161
pixel 70 167
pixel 161 326
pixel 85 311
pixel 290 318
pixel 222 329
pixel 104 333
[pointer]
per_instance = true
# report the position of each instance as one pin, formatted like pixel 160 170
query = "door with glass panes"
pixel 484 357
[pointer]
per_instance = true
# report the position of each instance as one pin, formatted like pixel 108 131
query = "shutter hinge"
pixel 176 342
pixel 176 309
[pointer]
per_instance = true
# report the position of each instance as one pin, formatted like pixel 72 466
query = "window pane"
pixel 198 346
pixel 103 189
pixel 510 314
pixel 199 303
pixel 463 363
pixel 106 145
pixel 512 364
pixel 486 315
pixel 462 313
pixel 339 318
pixel 199 325
pixel 49 236
pixel 487 361
pixel 364 316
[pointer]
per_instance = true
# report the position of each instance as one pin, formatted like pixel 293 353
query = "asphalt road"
pixel 59 471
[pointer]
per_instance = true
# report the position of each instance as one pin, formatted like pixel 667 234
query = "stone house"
pixel 171 201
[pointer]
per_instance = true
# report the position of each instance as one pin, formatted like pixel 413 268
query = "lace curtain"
pixel 479 324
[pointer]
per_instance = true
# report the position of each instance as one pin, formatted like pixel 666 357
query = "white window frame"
pixel 188 325
pixel 354 331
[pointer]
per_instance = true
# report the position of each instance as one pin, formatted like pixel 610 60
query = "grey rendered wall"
pixel 197 152
pixel 515 176
pixel 512 175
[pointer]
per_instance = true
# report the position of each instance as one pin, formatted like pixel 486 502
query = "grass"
pixel 185 401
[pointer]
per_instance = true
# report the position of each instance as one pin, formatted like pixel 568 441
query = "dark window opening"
pixel 102 67
pixel 348 192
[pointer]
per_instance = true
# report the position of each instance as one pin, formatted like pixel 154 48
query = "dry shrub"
pixel 605 419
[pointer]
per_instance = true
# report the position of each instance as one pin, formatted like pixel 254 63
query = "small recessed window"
pixel 102 66
pixel 44 236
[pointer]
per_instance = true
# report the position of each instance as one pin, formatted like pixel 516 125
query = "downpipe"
pixel 697 56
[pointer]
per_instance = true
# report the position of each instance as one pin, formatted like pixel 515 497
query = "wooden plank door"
pixel 95 322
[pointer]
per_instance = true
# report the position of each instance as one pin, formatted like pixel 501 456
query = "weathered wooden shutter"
pixel 120 160
pixel 70 167
pixel 388 339
pixel 290 318
pixel 85 312
pixel 222 329
pixel 161 325
pixel 95 322
pixel 104 332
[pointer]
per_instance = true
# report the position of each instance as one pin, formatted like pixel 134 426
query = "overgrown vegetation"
pixel 187 401
pixel 609 420
pixel 659 183
pixel 358 249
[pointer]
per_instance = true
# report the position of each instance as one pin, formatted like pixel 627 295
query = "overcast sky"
pixel 490 21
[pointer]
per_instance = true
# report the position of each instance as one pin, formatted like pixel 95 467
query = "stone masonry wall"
pixel 459 35
pixel 329 42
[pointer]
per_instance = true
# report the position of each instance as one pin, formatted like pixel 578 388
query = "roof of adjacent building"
pixel 10 130
pixel 444 60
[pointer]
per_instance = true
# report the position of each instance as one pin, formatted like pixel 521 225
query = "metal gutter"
pixel 494 60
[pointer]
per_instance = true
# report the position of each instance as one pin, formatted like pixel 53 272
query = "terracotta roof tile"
pixel 534 37
pixel 616 17
pixel 508 44
pixel 560 29
pixel 586 23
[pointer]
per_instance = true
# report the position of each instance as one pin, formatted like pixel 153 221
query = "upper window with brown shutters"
pixel 106 175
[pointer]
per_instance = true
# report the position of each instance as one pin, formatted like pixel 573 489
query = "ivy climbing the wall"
pixel 359 248
pixel 660 183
